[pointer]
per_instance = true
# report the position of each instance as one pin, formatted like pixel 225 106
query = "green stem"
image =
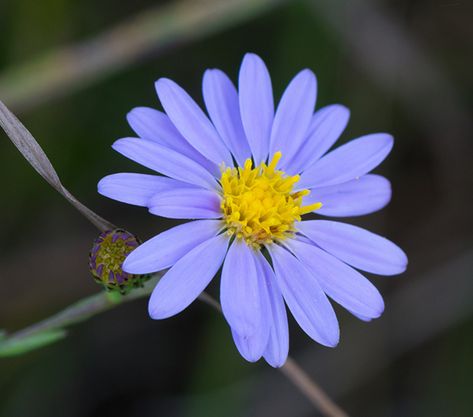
pixel 89 307
pixel 82 310
pixel 98 303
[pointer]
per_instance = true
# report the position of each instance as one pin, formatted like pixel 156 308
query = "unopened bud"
pixel 106 258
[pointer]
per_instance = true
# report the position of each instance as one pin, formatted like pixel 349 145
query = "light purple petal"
pixel 221 100
pixel 256 105
pixel 326 126
pixel 192 122
pixel 293 116
pixel 189 276
pixel 365 195
pixel 165 161
pixel 356 246
pixel 361 317
pixel 136 189
pixel 249 346
pixel 154 125
pixel 147 123
pixel 190 203
pixel 239 290
pixel 304 297
pixel 348 162
pixel 340 282
pixel 165 249
pixel 252 347
pixel 277 347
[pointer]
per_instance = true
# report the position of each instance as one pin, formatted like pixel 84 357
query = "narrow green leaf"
pixel 34 154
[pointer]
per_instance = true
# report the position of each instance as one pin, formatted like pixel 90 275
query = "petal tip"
pixel 127 267
pixel 250 357
pixel 332 338
pixel 250 55
pixel 275 364
pixel 207 73
pixel 102 184
pixel 250 58
pixel 345 112
pixel 153 311
pixel 334 342
pixel 131 266
pixel 389 140
pixel 307 73
pixel 379 310
pixel 118 144
pixel 403 262
pixel 162 85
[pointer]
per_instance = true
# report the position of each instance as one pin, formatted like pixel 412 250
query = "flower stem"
pixel 103 301
pixel 313 392
pixel 81 311
pixel 296 374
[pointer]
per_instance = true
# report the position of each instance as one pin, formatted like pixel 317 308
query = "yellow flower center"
pixel 259 204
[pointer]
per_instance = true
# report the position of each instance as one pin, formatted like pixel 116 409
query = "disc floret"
pixel 259 204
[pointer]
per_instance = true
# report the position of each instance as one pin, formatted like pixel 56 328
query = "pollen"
pixel 259 204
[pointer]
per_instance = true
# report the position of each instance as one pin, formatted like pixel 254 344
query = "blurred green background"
pixel 72 70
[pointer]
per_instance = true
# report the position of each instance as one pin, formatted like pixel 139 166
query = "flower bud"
pixel 106 258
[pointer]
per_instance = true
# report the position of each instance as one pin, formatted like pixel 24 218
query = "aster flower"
pixel 246 175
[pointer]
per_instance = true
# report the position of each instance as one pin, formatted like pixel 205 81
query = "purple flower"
pixel 248 174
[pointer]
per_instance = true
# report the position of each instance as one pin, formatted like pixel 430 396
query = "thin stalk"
pixel 103 301
pixel 83 310
pixel 296 374
pixel 312 391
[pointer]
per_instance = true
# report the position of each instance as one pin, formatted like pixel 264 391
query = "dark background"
pixel 400 66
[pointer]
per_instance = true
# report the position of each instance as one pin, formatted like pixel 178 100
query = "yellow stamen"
pixel 259 204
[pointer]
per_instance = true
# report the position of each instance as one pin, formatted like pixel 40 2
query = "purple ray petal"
pixel 189 276
pixel 293 116
pixel 340 282
pixel 136 189
pixel 221 100
pixel 361 317
pixel 348 161
pixel 355 246
pixel 239 290
pixel 154 125
pixel 256 105
pixel 186 203
pixel 277 347
pixel 191 121
pixel 165 161
pixel 326 126
pixel 304 297
pixel 365 195
pixel 252 347
pixel 165 249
